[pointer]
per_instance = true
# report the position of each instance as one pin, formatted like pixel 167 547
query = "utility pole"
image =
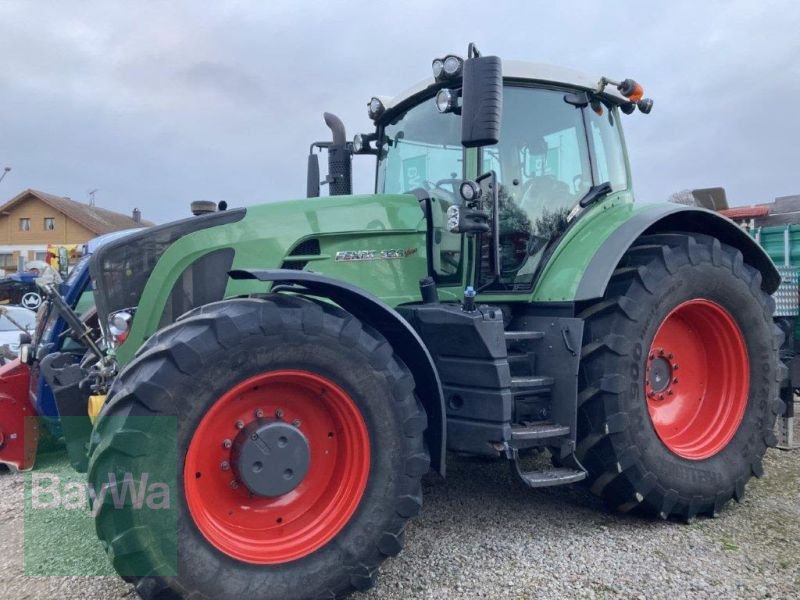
pixel 91 196
pixel 5 172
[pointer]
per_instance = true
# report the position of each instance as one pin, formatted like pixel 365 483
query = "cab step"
pixel 547 477
pixel 540 430
pixel 518 336
pixel 518 383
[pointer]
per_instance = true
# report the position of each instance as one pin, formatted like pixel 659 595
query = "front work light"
pixel 361 143
pixel 446 100
pixel 437 66
pixel 375 108
pixel 470 191
pixel 452 66
pixel 448 67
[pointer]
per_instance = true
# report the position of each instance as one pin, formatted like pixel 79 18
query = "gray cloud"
pixel 158 104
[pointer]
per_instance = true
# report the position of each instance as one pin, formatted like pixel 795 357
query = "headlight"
pixel 470 191
pixel 452 65
pixel 446 100
pixel 119 325
pixel 453 219
pixel 437 66
pixel 375 108
pixel 358 143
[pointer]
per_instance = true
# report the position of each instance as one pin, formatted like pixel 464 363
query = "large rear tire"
pixel 678 379
pixel 317 394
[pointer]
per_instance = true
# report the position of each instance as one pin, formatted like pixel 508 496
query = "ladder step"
pixel 538 431
pixel 548 477
pixel 518 358
pixel 531 382
pixel 515 336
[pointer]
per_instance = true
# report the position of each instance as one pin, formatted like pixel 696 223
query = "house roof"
pixel 95 219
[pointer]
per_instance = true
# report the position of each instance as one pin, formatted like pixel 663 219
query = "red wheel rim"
pixel 271 530
pixel 697 379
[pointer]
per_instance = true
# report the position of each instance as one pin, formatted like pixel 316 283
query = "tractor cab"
pixel 555 147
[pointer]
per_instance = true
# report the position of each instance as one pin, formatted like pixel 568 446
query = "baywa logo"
pixel 48 491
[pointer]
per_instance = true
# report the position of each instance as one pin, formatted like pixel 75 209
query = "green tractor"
pixel 499 295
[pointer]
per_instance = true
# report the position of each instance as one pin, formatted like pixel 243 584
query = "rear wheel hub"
pixel 697 379
pixel 270 458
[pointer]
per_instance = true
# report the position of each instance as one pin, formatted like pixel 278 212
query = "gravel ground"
pixel 481 537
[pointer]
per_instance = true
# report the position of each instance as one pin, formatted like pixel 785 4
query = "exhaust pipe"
pixel 340 172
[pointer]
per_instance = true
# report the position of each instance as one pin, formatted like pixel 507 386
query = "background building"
pixel 32 219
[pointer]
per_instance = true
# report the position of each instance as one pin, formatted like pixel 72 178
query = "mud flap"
pixel 19 425
pixel 63 373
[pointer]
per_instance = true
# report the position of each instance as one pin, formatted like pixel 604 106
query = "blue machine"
pixel 77 293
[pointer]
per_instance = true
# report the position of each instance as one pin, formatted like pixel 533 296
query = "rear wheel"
pixel 299 453
pixel 679 377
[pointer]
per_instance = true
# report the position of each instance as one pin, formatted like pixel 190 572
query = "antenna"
pixel 91 195
pixel 5 172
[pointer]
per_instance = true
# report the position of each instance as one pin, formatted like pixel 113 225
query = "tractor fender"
pixel 665 218
pixel 400 334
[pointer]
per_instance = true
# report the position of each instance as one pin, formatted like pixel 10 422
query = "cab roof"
pixel 521 70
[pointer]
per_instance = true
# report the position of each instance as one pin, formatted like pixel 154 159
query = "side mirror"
pixel 481 101
pixel 312 177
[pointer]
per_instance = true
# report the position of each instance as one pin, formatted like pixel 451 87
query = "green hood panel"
pixel 379 239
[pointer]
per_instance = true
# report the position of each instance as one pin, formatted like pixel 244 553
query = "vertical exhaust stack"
pixel 340 172
pixel 137 215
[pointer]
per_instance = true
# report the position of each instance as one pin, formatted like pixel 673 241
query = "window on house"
pixel 49 223
pixel 40 256
pixel 24 224
pixel 7 261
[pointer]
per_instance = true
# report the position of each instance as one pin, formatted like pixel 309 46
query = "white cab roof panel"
pixel 518 69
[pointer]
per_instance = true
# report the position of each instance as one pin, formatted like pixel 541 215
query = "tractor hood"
pixel 376 242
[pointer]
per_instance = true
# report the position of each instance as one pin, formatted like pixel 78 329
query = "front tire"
pixel 320 397
pixel 678 379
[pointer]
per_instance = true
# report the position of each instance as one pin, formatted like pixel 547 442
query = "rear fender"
pixel 401 335
pixel 582 266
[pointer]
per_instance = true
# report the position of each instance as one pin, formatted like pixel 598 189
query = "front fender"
pixel 582 265
pixel 401 335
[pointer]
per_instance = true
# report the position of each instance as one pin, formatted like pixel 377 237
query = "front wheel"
pixel 679 378
pixel 298 443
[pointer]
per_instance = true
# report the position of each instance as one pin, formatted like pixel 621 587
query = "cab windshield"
pixel 421 149
pixel 551 152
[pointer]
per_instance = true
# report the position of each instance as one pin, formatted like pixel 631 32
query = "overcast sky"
pixel 156 104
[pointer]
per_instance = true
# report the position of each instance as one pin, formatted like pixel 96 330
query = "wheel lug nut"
pixel 234 484
pixel 675 380
pixel 661 352
pixel 669 356
pixel 674 367
pixel 296 422
pixel 259 413
pixel 279 413
pixel 224 465
pixel 226 443
pixel 669 392
pixel 661 396
pixel 239 425
pixel 254 437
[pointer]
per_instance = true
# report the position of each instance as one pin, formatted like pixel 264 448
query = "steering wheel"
pixel 439 185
